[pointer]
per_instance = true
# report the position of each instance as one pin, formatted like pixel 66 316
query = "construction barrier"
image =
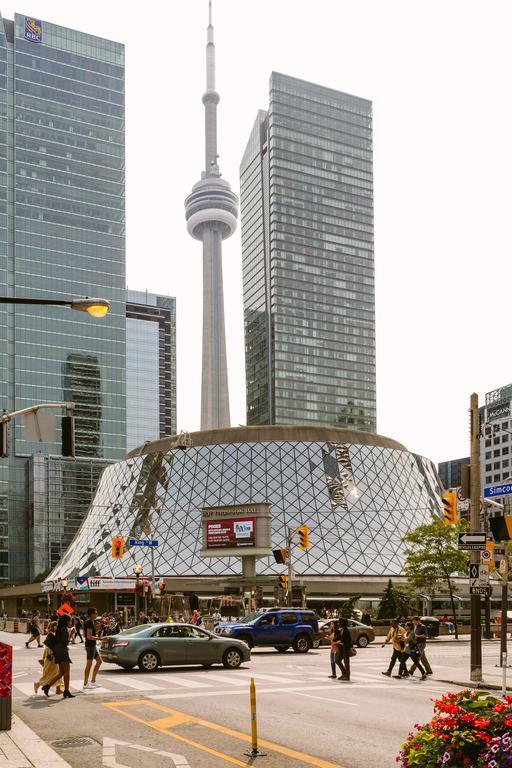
pixel 5 687
pixel 16 626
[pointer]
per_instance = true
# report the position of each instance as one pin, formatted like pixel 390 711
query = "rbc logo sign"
pixel 33 30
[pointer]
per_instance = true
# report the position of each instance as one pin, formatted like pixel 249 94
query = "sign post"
pixel 475 493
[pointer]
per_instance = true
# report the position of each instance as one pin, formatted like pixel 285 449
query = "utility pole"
pixel 289 538
pixel 504 618
pixel 476 631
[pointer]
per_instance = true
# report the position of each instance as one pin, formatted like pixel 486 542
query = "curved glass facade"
pixel 358 500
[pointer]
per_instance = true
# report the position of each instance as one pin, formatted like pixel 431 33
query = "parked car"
pixel 361 634
pixel 279 627
pixel 150 646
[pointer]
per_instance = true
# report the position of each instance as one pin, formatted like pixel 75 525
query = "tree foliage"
pixel 433 558
pixel 393 603
pixel 346 608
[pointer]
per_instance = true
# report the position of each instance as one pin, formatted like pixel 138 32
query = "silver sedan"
pixel 150 646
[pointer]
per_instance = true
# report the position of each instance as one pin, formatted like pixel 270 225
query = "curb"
pixel 35 749
pixel 479 686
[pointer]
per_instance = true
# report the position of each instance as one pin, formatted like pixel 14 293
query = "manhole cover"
pixel 75 741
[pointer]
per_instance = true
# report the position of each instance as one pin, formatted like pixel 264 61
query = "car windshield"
pixel 249 618
pixel 135 630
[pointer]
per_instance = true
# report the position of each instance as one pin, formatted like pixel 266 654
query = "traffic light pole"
pixel 476 630
pixel 289 538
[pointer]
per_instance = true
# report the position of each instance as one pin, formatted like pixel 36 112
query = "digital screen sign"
pixel 231 533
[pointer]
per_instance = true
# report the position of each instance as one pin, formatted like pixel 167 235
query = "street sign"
pixel 480 591
pixel 486 555
pixel 472 541
pixel 143 542
pixel 502 489
pixel 474 571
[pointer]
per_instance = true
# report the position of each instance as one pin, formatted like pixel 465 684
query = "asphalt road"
pixel 201 718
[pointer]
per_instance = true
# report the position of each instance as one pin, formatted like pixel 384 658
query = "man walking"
pixel 396 636
pixel 421 633
pixel 90 649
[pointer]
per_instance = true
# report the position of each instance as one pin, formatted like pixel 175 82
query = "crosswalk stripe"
pixel 261 676
pixel 26 688
pixel 181 681
pixel 78 685
pixel 233 679
pixel 131 682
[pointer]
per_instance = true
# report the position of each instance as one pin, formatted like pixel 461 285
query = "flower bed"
pixel 470 729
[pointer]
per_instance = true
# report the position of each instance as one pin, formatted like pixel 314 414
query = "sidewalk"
pixel 492 675
pixel 22 748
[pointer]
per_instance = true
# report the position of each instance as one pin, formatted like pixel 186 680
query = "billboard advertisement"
pixel 231 533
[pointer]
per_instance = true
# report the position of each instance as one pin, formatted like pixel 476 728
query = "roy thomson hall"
pixel 219 507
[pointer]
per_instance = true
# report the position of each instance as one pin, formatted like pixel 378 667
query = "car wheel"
pixel 232 658
pixel 301 644
pixel 149 661
pixel 246 639
pixel 316 644
pixel 281 648
pixel 363 641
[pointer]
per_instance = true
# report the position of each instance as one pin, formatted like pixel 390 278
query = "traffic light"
pixel 3 440
pixel 117 547
pixel 281 556
pixel 283 582
pixel 465 480
pixel 303 537
pixel 450 507
pixel 68 436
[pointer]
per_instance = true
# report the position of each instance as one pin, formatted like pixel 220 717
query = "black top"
pixel 89 624
pixel 62 636
pixel 346 640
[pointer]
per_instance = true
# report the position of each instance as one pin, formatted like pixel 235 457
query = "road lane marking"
pixel 182 681
pixel 131 682
pixel 121 707
pixel 262 676
pixel 109 753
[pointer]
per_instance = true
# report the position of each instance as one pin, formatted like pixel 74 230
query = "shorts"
pixel 91 652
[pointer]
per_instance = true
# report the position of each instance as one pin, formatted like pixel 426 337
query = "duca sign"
pixel 33 30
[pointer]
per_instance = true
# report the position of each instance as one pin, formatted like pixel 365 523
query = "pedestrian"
pixel 335 639
pixel 216 618
pixel 344 649
pixel 421 633
pixel 61 657
pixel 113 627
pixel 448 624
pixel 181 619
pixel 50 668
pixel 412 650
pixel 34 630
pixel 78 627
pixel 196 619
pixel 396 636
pixel 366 617
pixel 91 651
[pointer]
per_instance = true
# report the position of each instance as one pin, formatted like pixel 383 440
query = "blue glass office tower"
pixel 306 196
pixel 62 230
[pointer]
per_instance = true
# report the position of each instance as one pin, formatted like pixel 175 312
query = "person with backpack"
pixel 59 647
pixel 345 650
pixel 396 636
pixel 34 630
pixel 413 650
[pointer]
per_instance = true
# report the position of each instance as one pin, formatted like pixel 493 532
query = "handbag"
pixel 415 652
pixel 352 652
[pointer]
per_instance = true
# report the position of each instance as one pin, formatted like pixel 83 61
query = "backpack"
pixel 49 641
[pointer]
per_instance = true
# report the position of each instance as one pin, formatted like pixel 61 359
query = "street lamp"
pixel 94 307
pixel 137 571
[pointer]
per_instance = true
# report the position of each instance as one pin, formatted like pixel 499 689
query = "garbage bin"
pixel 432 625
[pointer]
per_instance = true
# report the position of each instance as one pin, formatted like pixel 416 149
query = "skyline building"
pixel 62 235
pixel 496 437
pixel 306 189
pixel 150 367
pixel 211 211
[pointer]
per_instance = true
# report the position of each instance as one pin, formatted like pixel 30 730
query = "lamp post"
pixel 137 571
pixel 94 307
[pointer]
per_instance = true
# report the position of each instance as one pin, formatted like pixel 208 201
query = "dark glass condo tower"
pixel 62 235
pixel 308 266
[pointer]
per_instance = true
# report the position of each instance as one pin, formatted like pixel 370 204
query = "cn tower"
pixel 211 211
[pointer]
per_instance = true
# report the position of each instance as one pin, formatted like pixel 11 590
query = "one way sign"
pixel 472 540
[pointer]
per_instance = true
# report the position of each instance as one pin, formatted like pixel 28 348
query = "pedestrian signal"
pixel 450 507
pixel 303 537
pixel 501 527
pixel 117 547
pixel 283 582
pixel 281 556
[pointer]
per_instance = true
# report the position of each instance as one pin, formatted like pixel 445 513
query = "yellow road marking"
pixel 175 717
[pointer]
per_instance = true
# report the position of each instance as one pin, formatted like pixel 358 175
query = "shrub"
pixel 463 732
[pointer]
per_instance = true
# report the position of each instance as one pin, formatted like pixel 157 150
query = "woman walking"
pixel 61 657
pixel 411 649
pixel 344 649
pixel 35 632
pixel 50 668
pixel 335 639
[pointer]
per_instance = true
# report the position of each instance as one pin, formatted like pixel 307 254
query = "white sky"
pixel 438 74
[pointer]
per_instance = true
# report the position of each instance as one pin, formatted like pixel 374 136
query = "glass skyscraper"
pixel 62 235
pixel 150 367
pixel 308 263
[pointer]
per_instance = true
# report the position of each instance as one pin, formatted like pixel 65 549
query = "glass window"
pixel 288 618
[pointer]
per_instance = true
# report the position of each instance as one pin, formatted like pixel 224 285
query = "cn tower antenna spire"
pixel 211 211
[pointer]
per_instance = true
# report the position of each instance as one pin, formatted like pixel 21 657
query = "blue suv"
pixel 279 627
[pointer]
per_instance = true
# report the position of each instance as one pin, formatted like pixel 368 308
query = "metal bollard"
pixel 5 687
pixel 254 752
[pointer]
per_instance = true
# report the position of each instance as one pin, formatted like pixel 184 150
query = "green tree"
pixel 433 558
pixel 346 608
pixel 394 602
